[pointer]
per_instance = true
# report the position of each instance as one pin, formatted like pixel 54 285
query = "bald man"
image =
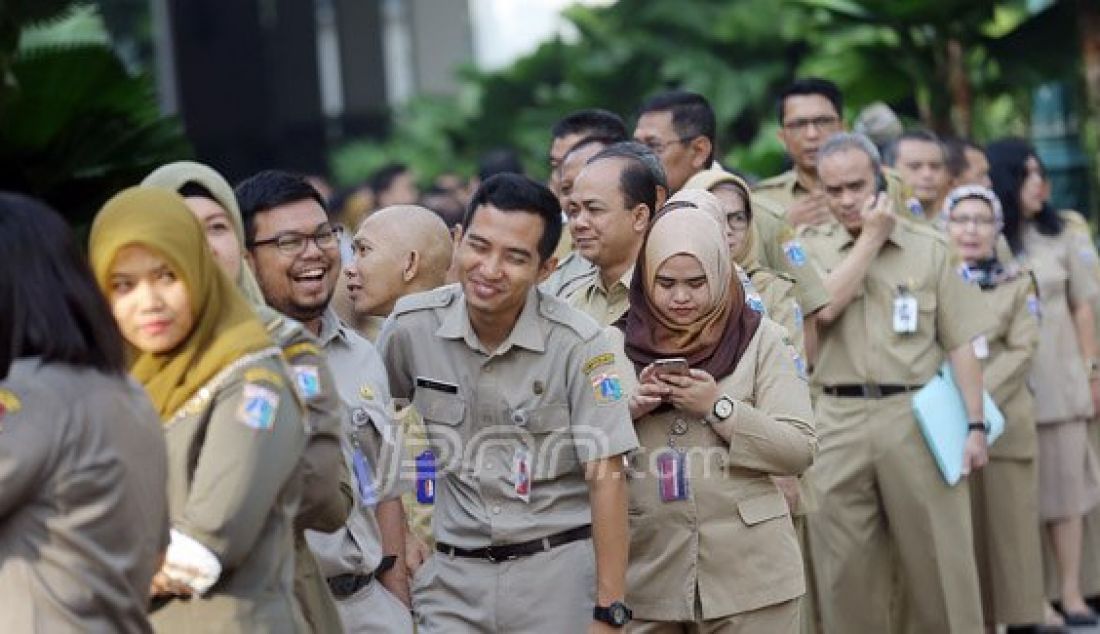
pixel 397 251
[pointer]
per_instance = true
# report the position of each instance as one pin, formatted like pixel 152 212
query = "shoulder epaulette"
pixel 436 298
pixel 778 180
pixel 559 311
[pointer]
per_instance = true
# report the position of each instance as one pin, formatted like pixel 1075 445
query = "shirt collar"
pixel 624 280
pixel 526 333
pixel 331 328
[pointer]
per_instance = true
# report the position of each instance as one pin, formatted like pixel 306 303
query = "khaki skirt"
pixel 1069 476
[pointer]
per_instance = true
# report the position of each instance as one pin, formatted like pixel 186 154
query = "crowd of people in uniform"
pixel 652 394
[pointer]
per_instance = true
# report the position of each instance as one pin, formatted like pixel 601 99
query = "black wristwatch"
pixel 615 615
pixel 981 426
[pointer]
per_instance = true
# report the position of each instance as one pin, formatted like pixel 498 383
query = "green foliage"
pixel 75 127
pixel 739 54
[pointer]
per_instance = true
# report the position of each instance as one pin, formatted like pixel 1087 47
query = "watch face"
pixel 723 408
pixel 618 613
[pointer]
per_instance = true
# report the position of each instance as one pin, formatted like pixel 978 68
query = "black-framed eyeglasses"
pixel 822 123
pixel 325 237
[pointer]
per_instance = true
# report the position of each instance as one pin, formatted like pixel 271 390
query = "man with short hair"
pixel 810 110
pixel 897 311
pixel 679 127
pixel 919 157
pixel 609 212
pixel 967 163
pixel 590 129
pixel 393 184
pixel 528 425
pixel 577 125
pixel 293 248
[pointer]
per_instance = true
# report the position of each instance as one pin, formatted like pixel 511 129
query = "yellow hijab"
pixel 175 175
pixel 225 326
pixel 746 256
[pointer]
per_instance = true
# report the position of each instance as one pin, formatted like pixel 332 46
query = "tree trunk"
pixel 962 94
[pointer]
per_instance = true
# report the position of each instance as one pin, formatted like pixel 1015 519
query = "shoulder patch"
pixel 559 311
pixel 796 255
pixel 9 403
pixel 607 388
pixel 308 380
pixel 258 407
pixel 301 348
pixel 263 375
pixel 437 298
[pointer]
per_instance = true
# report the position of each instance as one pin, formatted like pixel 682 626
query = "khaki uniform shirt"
pixel 234 452
pixel 1010 347
pixel 356 548
pixel 83 515
pixel 605 305
pixel 1064 269
pixel 785 190
pixel 731 543
pixel 533 411
pixel 777 291
pixel 861 345
pixel 781 251
pixel 573 272
pixel 327 495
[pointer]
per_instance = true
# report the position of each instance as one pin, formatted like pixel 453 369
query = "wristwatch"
pixel 978 425
pixel 723 409
pixel 615 615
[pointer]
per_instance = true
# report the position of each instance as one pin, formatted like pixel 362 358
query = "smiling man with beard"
pixel 294 250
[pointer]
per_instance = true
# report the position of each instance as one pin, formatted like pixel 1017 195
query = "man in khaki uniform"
pixel 810 110
pixel 296 260
pixel 528 422
pixel 609 211
pixel 898 309
pixel 920 158
pixel 399 251
pixel 568 133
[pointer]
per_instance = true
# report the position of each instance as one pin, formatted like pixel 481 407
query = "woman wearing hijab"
pixel 326 487
pixel 712 544
pixel 1005 493
pixel 83 514
pixel 231 418
pixel 1065 375
pixel 728 202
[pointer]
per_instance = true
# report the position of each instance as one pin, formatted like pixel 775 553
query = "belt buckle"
pixel 492 556
pixel 872 390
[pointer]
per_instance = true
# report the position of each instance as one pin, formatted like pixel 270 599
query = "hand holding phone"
pixel 674 366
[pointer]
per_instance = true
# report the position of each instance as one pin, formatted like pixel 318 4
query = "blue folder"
pixel 941 414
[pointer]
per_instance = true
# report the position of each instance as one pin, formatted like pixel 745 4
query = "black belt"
pixel 867 390
pixel 507 552
pixel 344 586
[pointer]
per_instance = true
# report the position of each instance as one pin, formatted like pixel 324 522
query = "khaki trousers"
pixel 552 591
pixel 881 491
pixel 782 618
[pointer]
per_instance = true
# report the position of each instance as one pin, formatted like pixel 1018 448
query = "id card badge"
pixel 364 477
pixel 425 477
pixel 521 473
pixel 672 476
pixel 905 312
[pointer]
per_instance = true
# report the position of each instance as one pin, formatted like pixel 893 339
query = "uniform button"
pixel 489 467
pixel 496 510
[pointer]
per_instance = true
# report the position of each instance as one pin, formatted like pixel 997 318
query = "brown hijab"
pixel 716 341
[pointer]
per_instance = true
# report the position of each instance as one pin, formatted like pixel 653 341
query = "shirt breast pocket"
pixel 443 416
pixel 552 442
